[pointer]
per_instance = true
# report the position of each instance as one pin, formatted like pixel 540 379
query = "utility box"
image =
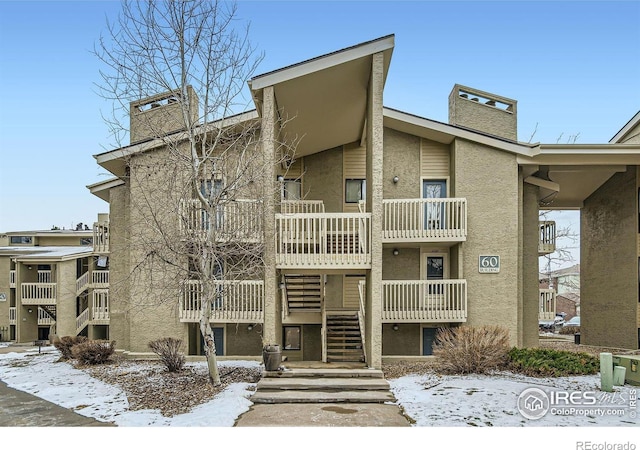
pixel 632 364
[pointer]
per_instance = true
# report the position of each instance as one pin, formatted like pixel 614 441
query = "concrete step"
pixel 323 384
pixel 325 373
pixel 294 396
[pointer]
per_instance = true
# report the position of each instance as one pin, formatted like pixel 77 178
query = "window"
pixel 291 189
pixel 355 190
pixel 21 239
pixel 292 338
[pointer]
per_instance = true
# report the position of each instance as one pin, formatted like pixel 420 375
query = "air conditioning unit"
pixel 632 364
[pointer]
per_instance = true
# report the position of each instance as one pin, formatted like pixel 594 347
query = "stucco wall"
pixel 239 341
pixel 404 266
pixel 402 159
pixel 5 266
pixel 488 179
pixel 609 264
pixel 529 267
pixel 403 342
pixel 323 178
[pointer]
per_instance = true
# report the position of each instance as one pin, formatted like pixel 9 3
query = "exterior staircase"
pixel 304 292
pixel 344 337
pixel 323 386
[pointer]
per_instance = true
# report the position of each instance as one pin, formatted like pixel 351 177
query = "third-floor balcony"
pixel 231 221
pixel 547 241
pixel 101 236
pixel 424 220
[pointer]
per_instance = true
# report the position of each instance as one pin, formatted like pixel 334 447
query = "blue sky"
pixel 573 67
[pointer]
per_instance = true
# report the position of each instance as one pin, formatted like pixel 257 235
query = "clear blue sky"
pixel 574 67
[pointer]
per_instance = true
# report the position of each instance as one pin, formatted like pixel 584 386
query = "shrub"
pixel 570 329
pixel 66 343
pixel 93 352
pixel 466 349
pixel 541 362
pixel 170 352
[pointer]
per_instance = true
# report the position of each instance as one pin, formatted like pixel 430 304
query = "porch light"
pixel 29 310
pixel 281 285
pixel 280 178
pixel 250 327
pixel 396 178
pixel 395 327
pixel 396 252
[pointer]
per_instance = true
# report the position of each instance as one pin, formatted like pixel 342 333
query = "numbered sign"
pixel 489 264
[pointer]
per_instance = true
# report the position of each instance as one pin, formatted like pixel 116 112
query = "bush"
pixel 570 329
pixel 466 349
pixel 93 352
pixel 66 343
pixel 542 362
pixel 170 352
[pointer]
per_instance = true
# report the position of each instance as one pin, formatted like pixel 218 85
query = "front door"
pixel 434 216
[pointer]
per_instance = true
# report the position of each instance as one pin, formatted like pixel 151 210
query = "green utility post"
pixel 606 372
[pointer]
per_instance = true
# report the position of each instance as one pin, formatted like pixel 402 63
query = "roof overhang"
pixel 324 100
pixel 622 135
pixel 446 133
pixel 45 254
pixel 569 173
pixel 115 161
pixel 102 188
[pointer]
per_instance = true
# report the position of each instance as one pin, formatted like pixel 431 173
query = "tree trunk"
pixel 209 348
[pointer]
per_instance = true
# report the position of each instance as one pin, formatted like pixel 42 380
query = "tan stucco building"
pixel 386 225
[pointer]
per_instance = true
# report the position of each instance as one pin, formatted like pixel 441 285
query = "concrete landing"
pixel 323 415
pixel 309 383
pixel 324 396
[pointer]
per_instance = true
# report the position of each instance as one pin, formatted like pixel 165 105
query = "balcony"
pixel 547 241
pixel 100 279
pixel 424 220
pixel 13 315
pixel 101 237
pixel 547 310
pixel 100 307
pixel 12 278
pixel 323 241
pixel 38 293
pixel 233 221
pixel 236 302
pixel 424 301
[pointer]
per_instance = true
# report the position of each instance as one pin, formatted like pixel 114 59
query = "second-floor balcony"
pixel 100 307
pixel 235 301
pixel 231 221
pixel 323 240
pixel 101 237
pixel 12 278
pixel 38 293
pixel 424 220
pixel 13 314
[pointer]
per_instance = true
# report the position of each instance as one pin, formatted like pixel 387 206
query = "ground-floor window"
pixel 291 338
pixel 218 340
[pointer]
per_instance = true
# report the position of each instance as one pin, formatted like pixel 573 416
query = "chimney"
pixel 160 114
pixel 483 111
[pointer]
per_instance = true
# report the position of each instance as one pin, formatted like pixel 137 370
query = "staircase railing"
pixel 82 321
pixel 283 297
pixel 324 335
pixel 82 282
pixel 361 316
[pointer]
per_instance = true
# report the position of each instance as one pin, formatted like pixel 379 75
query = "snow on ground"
pixel 62 384
pixel 430 400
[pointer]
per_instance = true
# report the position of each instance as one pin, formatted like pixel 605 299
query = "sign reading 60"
pixel 489 264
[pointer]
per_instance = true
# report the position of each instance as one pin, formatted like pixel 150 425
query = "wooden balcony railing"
pixel 425 220
pixel 100 307
pixel 13 315
pixel 38 293
pixel 100 278
pixel 44 276
pixel 82 283
pixel 302 206
pixel 329 240
pixel 547 241
pixel 101 237
pixel 236 301
pixel 238 220
pixel 424 301
pixel 547 304
pixel 12 278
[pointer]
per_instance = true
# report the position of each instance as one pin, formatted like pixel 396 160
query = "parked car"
pixel 573 322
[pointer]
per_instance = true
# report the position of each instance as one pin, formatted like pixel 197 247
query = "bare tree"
pixel 566 238
pixel 196 193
